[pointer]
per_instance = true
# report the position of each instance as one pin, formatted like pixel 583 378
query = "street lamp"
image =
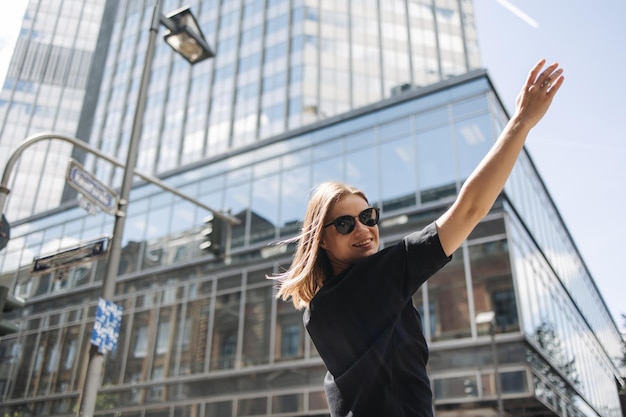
pixel 185 36
pixel 489 317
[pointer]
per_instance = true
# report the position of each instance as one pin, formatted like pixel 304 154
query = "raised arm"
pixel 483 186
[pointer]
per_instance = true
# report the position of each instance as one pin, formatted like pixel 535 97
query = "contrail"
pixel 517 12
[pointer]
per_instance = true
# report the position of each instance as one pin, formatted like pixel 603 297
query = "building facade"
pixel 50 85
pixel 374 93
pixel 280 64
pixel 204 336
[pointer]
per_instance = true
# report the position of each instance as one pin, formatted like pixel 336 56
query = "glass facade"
pixel 279 65
pixel 47 88
pixel 201 336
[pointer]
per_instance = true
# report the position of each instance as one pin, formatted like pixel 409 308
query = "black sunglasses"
pixel 345 224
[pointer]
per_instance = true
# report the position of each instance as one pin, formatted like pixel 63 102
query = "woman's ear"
pixel 323 244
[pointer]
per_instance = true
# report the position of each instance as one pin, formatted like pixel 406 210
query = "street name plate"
pixel 85 252
pixel 89 186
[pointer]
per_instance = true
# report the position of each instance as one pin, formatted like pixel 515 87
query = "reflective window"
pixel 473 140
pixel 361 172
pixel 141 342
pixel 264 211
pixel 252 407
pixel 287 403
pixel 238 203
pixel 448 292
pixel 163 337
pixel 195 337
pixel 256 327
pixel 435 162
pixel 295 184
pixel 329 169
pixel 289 332
pixel 226 323
pixel 455 387
pixel 492 284
pixel 398 174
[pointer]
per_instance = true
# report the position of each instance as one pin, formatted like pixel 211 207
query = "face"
pixel 345 249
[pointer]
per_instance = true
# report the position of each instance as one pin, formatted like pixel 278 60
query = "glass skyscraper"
pixel 381 95
pixel 49 87
pixel 280 64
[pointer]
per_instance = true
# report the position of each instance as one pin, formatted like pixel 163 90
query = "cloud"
pixel 519 13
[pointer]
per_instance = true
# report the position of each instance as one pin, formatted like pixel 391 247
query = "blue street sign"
pixel 106 329
pixel 89 186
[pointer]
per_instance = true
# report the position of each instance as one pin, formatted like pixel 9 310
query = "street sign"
pixel 89 186
pixel 106 329
pixel 67 258
pixel 5 232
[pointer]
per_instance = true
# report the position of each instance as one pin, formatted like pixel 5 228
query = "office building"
pixel 50 85
pixel 280 64
pixel 202 335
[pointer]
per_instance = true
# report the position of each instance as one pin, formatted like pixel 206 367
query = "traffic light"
pixel 5 232
pixel 8 302
pixel 213 235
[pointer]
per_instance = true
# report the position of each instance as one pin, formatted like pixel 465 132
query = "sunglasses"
pixel 345 224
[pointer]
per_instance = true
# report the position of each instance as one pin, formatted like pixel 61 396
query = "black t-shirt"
pixel 370 336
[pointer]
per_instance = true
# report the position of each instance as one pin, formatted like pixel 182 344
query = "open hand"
pixel 537 94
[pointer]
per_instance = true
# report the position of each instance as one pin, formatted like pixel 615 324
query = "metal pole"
pixel 48 135
pixel 96 359
pixel 494 352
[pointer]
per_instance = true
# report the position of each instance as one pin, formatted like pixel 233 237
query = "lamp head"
pixel 185 37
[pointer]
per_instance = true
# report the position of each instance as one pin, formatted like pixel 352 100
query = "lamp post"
pixel 184 35
pixel 489 317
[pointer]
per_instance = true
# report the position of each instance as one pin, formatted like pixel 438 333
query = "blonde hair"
pixel 310 265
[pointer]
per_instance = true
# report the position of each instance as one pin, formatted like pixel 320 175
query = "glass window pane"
pixel 294 190
pixel 492 284
pixel 288 403
pixel 435 161
pixel 224 347
pixel 289 343
pixel 398 174
pixel 264 214
pixel 455 387
pixel 256 332
pixel 473 140
pixel 195 337
pixel 330 169
pixel 238 203
pixel 362 172
pixel 252 407
pixel 448 292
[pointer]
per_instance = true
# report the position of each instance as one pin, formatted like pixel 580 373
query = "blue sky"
pixel 579 148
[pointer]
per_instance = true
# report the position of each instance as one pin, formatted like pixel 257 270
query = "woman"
pixel 358 305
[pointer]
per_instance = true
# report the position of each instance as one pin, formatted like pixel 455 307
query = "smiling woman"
pixel 358 300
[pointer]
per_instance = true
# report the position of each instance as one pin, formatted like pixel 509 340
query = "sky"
pixel 579 148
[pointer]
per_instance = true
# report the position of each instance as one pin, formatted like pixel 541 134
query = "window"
pixel 163 338
pixel 229 344
pixel 156 392
pixel 290 341
pixel 505 308
pixel 141 342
